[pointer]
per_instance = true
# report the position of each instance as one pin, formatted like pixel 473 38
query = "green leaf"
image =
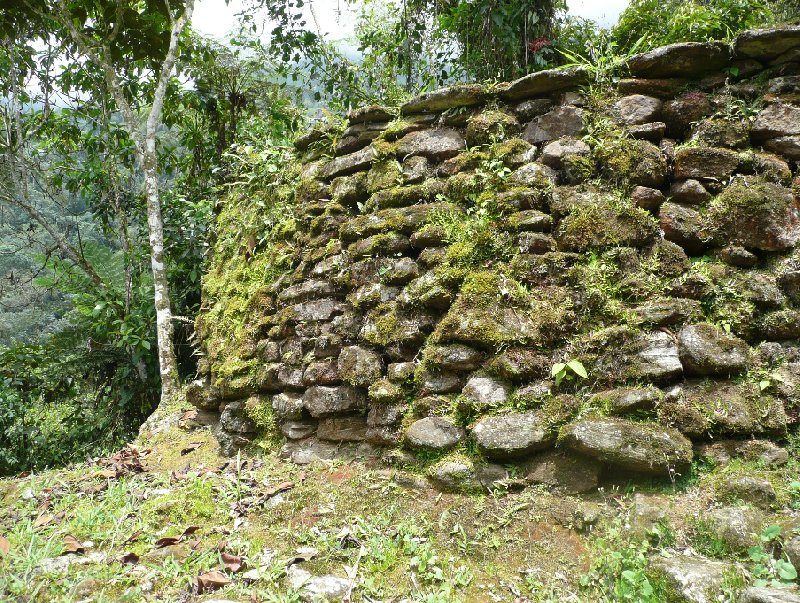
pixel 764 384
pixel 786 570
pixel 771 533
pixel 578 368
pixel 558 367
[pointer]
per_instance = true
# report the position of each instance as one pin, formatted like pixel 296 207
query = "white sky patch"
pixel 337 18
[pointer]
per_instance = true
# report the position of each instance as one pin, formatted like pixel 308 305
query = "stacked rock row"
pixel 377 340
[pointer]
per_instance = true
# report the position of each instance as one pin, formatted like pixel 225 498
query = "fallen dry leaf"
pixel 190 530
pixel 281 487
pixel 133 537
pixel 5 545
pixel 167 541
pixel 106 473
pixel 232 563
pixel 129 559
pixel 43 520
pixel 210 581
pixel 191 447
pixel 72 545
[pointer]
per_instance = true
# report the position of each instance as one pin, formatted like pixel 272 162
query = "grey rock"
pixel 348 164
pixel 310 289
pixel 766 43
pixel 381 415
pixel 437 382
pixel 792 549
pixel 776 120
pixel 369 113
pixel 384 391
pixel 416 169
pixel 483 390
pixel 764 451
pixel 638 109
pixel 322 372
pixel 658 359
pixel 398 372
pixel 533 175
pixel 400 271
pixel 437 144
pixel 535 243
pixel 556 152
pixel 370 295
pixel 695 579
pixel 535 107
pixel 530 220
pixel 198 394
pixel 435 433
pixel 317 588
pixel 647 198
pixel 322 401
pixel 541 83
pixel 663 312
pixel 653 131
pixel 290 377
pixel 454 357
pixel 686 59
pixel 562 471
pixel 706 350
pixel 682 225
pixel 343 429
pixel 689 191
pixel 451 97
pixel 733 255
pixel 750 489
pixel 754 594
pixel 624 400
pixel 287 405
pixel 317 310
pixel 513 434
pixel 233 419
pixel 787 146
pixel 647 448
pixel 360 366
pixel 560 122
pixel 705 162
pixel 647 511
pixel 737 527
pixel 297 429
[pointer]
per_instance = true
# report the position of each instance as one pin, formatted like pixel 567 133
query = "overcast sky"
pixel 215 18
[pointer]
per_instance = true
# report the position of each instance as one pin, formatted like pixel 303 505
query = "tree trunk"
pixel 164 329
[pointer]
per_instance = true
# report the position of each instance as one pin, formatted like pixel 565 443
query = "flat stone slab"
pixel 648 448
pixel 696 579
pixel 544 82
pixel 685 59
pixel 435 433
pixel 766 43
pixel 513 434
pixel 460 95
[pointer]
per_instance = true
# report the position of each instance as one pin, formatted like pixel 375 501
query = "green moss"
pixel 626 161
pixel 608 222
pixel 383 175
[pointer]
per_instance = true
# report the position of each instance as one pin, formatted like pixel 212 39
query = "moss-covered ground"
pixel 383 529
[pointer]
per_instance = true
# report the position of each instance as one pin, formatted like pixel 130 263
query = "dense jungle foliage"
pixel 78 365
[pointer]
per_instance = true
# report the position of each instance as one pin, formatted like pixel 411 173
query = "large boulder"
pixel 682 225
pixel 638 109
pixel 776 120
pixel 562 471
pixel 438 144
pixel 433 433
pixel 541 83
pixel 321 401
pixel 360 366
pixel 756 214
pixel 561 121
pixel 512 435
pixel 647 448
pixel 706 350
pixel 756 594
pixel 764 44
pixel 451 97
pixel 685 59
pixel 693 579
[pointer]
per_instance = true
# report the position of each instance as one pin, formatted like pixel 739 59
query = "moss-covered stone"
pixel 629 161
pixel 755 214
pixel 607 223
pixel 491 126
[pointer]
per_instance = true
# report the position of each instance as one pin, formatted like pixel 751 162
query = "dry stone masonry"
pixel 448 254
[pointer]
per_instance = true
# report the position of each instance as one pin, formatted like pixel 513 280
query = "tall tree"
pixel 113 36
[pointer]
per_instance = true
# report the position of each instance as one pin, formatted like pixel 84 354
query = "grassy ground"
pixel 392 542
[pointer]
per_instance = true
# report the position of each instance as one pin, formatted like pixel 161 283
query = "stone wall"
pixel 448 255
